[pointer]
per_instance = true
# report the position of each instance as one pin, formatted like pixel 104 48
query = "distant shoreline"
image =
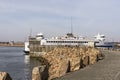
pixel 6 44
pixel 12 44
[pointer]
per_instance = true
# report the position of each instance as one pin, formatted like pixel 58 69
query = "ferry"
pixel 68 40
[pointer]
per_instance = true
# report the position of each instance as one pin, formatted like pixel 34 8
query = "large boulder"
pixel 60 69
pixel 5 76
pixel 40 73
pixel 84 61
pixel 93 55
pixel 75 63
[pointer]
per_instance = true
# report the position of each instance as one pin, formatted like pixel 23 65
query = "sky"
pixel 19 18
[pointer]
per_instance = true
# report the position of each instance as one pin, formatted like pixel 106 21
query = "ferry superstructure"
pixel 68 40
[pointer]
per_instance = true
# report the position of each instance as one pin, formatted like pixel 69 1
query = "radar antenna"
pixel 30 33
pixel 71 26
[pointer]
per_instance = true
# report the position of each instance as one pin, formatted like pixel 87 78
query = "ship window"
pixel 79 42
pixel 102 36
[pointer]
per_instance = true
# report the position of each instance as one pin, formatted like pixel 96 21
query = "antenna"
pixel 30 33
pixel 71 26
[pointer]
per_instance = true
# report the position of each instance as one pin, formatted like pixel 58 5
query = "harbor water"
pixel 18 65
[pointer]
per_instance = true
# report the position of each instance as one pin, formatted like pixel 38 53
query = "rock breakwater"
pixel 62 60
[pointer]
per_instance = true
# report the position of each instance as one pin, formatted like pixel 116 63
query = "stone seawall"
pixel 62 60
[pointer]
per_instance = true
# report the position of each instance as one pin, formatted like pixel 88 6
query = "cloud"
pixel 58 7
pixel 68 8
pixel 46 15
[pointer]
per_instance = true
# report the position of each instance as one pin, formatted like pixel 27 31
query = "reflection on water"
pixel 18 65
pixel 29 64
pixel 27 59
pixel 27 69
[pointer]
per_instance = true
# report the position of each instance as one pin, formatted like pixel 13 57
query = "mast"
pixel 30 33
pixel 71 26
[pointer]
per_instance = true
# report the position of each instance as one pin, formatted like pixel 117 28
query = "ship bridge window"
pixel 86 42
pixel 80 42
pixel 66 41
pixel 76 41
pixel 56 41
pixel 102 36
pixel 61 41
pixel 69 42
pixel 48 41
